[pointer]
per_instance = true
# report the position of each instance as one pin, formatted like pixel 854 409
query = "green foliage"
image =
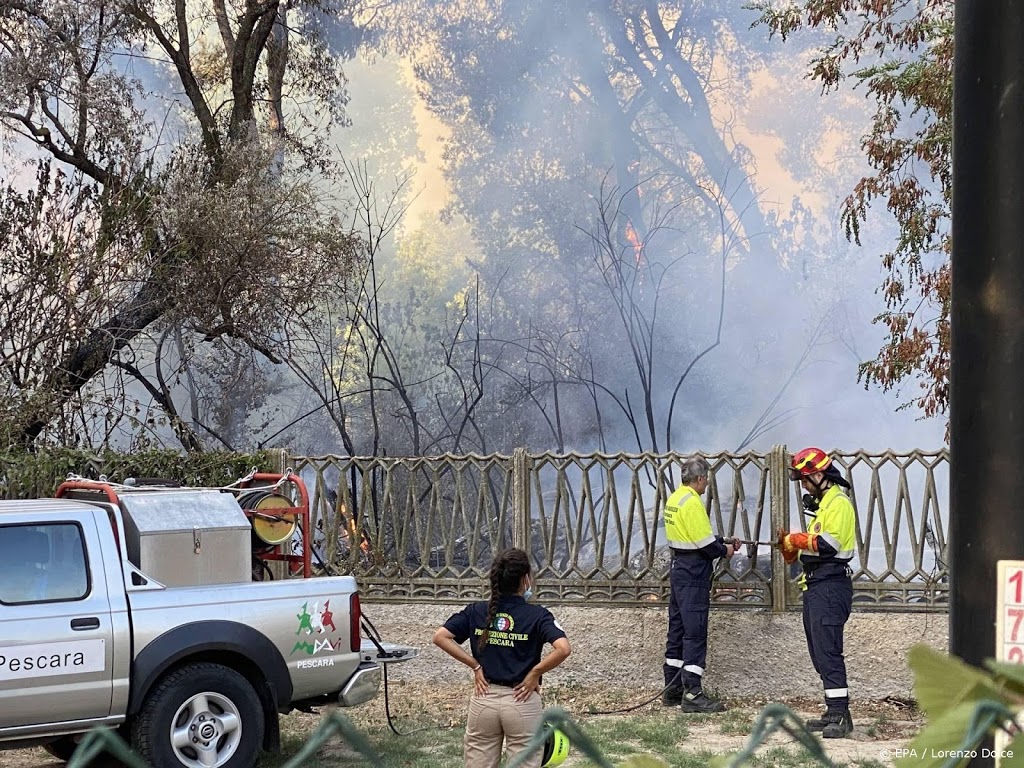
pixel 219 231
pixel 334 724
pixel 943 682
pixel 964 705
pixel 643 761
pixel 103 742
pixel 25 475
pixel 99 742
pixel 597 747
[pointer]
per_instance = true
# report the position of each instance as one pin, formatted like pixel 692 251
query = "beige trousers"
pixel 497 716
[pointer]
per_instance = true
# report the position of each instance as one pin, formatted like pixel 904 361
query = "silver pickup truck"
pixel 137 610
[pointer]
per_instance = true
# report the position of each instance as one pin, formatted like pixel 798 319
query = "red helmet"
pixel 807 462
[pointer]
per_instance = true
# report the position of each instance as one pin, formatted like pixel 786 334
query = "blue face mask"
pixel 528 593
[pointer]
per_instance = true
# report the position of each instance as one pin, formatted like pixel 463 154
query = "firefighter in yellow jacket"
pixel 824 552
pixel 694 551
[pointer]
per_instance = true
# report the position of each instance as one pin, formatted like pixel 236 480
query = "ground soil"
pixel 750 653
pixel 881 726
pixel 753 658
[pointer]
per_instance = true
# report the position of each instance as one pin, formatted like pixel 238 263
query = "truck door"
pixel 56 641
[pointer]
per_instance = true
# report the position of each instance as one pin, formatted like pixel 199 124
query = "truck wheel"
pixel 200 716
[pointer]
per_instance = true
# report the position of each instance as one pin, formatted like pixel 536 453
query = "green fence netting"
pixel 774 717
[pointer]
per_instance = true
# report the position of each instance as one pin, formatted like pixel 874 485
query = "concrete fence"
pixel 425 528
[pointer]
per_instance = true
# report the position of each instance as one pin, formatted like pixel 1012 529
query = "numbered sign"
pixel 1009 628
pixel 1010 612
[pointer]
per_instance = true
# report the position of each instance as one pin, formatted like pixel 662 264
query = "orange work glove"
pixel 808 541
pixel 790 551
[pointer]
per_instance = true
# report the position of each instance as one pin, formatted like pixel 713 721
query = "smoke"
pixel 622 235
pixel 737 312
pixel 532 138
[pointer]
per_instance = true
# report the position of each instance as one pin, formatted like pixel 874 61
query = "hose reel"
pixel 271 524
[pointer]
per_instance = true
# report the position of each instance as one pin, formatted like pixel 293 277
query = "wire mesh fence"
pixel 426 528
pixel 100 744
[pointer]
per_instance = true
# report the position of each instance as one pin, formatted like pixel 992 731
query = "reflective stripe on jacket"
pixel 835 526
pixel 687 525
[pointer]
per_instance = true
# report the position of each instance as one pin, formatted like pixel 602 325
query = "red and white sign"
pixel 1009 629
pixel 1010 611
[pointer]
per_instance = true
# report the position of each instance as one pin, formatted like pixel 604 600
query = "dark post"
pixel 987 368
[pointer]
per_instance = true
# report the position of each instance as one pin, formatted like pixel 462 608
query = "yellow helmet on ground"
pixel 556 749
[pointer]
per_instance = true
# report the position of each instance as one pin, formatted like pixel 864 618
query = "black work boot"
pixel 672 696
pixel 817 723
pixel 838 724
pixel 696 701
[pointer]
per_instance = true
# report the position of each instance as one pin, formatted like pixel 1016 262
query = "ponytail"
pixel 507 572
pixel 492 609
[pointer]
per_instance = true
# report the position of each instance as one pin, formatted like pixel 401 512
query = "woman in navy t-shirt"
pixel 506 636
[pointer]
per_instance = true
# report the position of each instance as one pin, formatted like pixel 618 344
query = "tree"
pixel 634 278
pixel 214 209
pixel 903 56
pixel 626 85
pixel 54 283
pixel 543 103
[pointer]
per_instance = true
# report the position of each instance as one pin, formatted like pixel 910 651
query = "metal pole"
pixel 987 311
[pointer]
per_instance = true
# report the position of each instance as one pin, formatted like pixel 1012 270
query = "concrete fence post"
pixel 521 499
pixel 778 476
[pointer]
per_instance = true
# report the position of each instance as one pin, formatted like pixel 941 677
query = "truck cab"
pixel 137 608
pixel 66 640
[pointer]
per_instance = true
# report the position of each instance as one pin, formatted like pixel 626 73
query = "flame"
pixel 634 240
pixel 638 246
pixel 364 543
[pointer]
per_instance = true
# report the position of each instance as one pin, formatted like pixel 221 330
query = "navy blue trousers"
pixel 827 606
pixel 687 646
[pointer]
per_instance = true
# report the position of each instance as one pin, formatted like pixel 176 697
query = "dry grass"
pixel 432 716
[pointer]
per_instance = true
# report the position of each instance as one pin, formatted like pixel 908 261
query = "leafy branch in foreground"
pixel 964 705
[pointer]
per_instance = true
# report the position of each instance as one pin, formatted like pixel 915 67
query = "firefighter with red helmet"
pixel 824 551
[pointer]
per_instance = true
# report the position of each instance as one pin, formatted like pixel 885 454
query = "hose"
pixel 644 703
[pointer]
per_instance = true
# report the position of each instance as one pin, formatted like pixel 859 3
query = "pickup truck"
pixel 136 609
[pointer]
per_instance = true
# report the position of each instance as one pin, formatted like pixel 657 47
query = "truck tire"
pixel 200 716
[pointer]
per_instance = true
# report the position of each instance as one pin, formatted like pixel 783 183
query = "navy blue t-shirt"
pixel 518 633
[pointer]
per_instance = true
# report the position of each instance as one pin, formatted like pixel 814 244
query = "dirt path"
pixel 860 747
